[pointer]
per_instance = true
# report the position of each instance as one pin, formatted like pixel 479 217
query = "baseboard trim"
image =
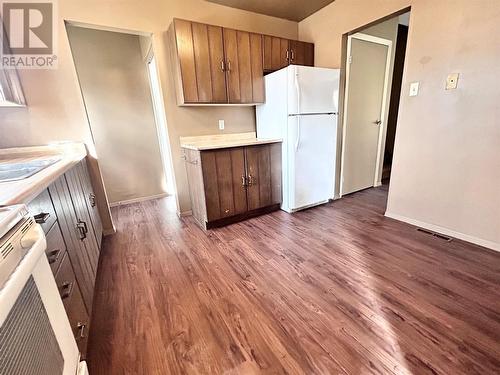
pixel 108 232
pixel 136 200
pixel 449 232
pixel 184 213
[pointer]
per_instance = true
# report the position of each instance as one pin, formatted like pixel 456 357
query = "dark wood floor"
pixel 337 289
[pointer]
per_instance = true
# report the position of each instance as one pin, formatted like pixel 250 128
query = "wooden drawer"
pixel 56 248
pixel 73 303
pixel 42 209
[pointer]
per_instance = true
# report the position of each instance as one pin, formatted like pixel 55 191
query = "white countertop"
pixel 23 191
pixel 212 142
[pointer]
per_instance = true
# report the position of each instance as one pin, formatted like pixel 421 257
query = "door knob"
pixel 378 122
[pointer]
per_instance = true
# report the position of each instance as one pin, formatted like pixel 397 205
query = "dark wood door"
pixel 90 200
pixel 244 71
pixel 276 53
pixel 263 167
pixel 224 182
pixel 301 53
pixel 77 252
pixel 201 59
pixel 73 303
pixel 84 223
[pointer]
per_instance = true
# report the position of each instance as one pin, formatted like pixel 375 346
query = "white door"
pixel 312 90
pixel 311 160
pixel 367 74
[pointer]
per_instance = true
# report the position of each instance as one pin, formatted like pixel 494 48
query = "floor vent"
pixel 438 235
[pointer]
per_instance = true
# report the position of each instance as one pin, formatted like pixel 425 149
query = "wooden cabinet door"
pixel 76 250
pixel 301 53
pixel 244 71
pixel 263 165
pixel 84 223
pixel 200 57
pixel 276 53
pixel 223 180
pixel 71 296
pixel 90 200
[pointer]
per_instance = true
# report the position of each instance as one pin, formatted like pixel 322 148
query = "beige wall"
pixel 446 169
pixel 115 86
pixel 55 109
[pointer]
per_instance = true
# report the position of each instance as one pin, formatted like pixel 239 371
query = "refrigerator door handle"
pixel 298 107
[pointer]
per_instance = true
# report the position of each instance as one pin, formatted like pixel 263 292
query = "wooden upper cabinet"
pixel 200 62
pixel 276 53
pixel 245 75
pixel 301 53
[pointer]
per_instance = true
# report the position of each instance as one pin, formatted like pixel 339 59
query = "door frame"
pixel 383 125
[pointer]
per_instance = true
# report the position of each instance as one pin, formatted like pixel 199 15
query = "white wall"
pixel 115 86
pixel 55 109
pixel 446 168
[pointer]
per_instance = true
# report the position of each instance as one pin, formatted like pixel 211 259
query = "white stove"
pixel 35 333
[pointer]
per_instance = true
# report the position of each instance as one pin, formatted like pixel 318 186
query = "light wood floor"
pixel 337 289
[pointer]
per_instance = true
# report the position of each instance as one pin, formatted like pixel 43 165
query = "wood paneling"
pixel 336 289
pixel 244 66
pixel 202 62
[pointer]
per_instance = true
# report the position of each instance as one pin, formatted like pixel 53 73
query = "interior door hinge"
pixel 350 59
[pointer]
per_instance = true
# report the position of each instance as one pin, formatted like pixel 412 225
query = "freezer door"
pixel 311 145
pixel 313 90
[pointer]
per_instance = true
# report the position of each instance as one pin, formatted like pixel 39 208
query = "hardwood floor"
pixel 337 289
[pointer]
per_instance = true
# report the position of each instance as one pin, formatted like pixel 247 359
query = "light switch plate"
pixel 452 81
pixel 221 124
pixel 414 88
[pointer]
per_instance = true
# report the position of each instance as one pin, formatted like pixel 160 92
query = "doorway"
pixel 121 92
pixel 374 60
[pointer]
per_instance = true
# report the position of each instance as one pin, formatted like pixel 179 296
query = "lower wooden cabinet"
pixel 73 303
pixel 228 185
pixel 67 212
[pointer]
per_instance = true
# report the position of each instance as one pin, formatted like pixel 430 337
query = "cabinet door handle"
pixel 243 181
pixel 292 54
pixel 53 256
pixel 287 55
pixel 92 199
pixel 228 65
pixel 222 66
pixel 82 229
pixel 42 217
pixel 66 289
pixel 250 180
pixel 81 328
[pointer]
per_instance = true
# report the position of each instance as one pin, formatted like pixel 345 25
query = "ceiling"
pixel 295 10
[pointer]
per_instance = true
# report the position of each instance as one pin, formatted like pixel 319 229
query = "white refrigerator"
pixel 302 109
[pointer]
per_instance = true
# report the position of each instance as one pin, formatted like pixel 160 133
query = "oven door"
pixel 35 334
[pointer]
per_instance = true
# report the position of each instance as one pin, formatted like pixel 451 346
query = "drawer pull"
pixel 67 289
pixel 251 180
pixel 53 256
pixel 81 328
pixel 42 217
pixel 92 199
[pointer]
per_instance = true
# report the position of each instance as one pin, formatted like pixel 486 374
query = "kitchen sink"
pixel 14 171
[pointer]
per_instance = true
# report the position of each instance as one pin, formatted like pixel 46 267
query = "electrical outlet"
pixel 452 81
pixel 414 88
pixel 221 124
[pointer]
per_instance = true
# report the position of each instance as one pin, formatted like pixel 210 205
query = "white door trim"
pixel 386 42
